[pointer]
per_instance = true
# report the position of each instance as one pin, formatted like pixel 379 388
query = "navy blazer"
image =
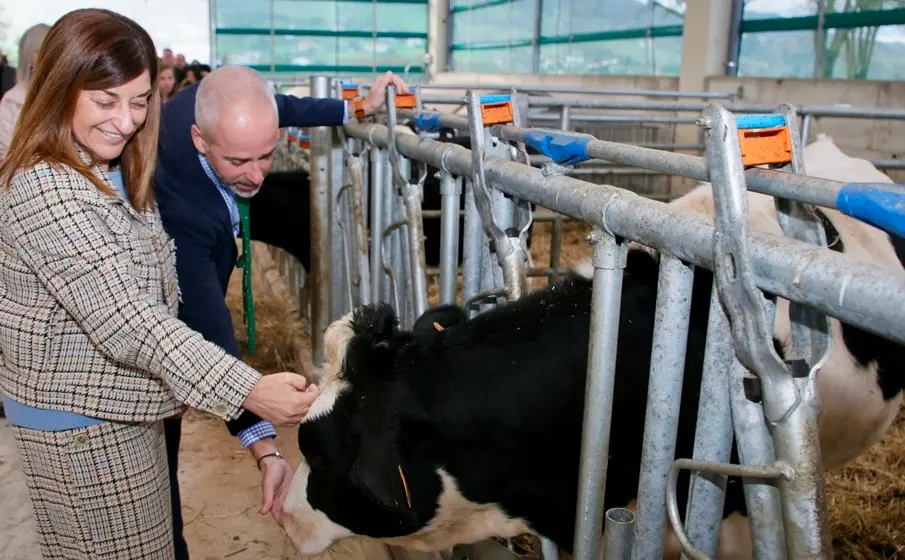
pixel 195 215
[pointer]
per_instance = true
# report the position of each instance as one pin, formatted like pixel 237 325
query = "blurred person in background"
pixel 11 104
pixel 166 82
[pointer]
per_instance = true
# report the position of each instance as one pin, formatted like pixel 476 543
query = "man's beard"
pixel 231 186
pixel 243 194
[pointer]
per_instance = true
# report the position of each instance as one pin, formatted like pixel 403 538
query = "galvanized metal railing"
pixel 776 433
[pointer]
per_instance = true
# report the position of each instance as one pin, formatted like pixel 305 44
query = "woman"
pixel 92 358
pixel 11 104
pixel 166 82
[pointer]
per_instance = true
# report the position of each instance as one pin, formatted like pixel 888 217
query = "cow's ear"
pixel 375 471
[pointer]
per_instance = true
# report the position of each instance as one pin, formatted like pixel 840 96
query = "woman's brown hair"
pixel 87 49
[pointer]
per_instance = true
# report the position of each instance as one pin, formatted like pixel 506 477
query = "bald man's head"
pixel 236 126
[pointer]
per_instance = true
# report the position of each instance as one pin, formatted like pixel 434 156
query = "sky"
pixel 179 24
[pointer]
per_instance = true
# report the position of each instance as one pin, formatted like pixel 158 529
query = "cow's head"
pixel 371 462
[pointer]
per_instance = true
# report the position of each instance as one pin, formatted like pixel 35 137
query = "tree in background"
pixel 856 46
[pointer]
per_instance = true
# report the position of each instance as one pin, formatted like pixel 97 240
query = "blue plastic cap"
pixel 428 121
pixel 748 122
pixel 500 98
pixel 561 147
pixel 881 205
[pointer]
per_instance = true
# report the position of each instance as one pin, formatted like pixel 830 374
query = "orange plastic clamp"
pixel 405 100
pixel 350 93
pixel 497 113
pixel 304 142
pixel 358 107
pixel 292 138
pixel 763 146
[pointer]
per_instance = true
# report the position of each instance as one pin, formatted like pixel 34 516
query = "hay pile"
pixel 278 326
pixel 866 500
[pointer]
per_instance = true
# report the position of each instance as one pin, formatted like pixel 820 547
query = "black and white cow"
pixel 467 429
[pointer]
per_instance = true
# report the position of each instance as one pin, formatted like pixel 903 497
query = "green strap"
pixel 244 262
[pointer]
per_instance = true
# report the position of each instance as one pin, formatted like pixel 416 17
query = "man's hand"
pixel 276 478
pixel 377 95
pixel 282 399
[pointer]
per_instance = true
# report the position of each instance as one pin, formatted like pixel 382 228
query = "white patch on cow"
pixel 456 521
pixel 584 269
pixel 310 530
pixel 854 415
pixel 329 377
pixel 460 521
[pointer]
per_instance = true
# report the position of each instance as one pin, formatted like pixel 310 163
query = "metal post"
pixel 609 261
pixel 713 436
pixel 473 242
pixel 755 447
pixel 212 16
pixel 619 534
pixel 321 245
pixel 378 199
pixel 790 400
pixel 390 280
pixel 358 216
pixel 340 274
pixel 510 254
pixel 735 37
pixel 667 368
pixel 451 194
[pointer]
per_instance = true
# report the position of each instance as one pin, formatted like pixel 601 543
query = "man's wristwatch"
pixel 274 454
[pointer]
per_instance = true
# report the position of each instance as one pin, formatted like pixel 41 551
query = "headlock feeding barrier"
pixel 368 245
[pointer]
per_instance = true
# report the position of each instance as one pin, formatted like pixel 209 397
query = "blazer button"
pixel 81 440
pixel 220 409
pixel 173 286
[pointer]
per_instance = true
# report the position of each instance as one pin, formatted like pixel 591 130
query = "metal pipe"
pixel 609 261
pixel 641 119
pixel 806 128
pixel 509 255
pixel 755 447
pixel 549 550
pixel 590 91
pixel 415 229
pixel 473 243
pixel 817 111
pixel 340 275
pixel 390 284
pixel 777 472
pixel 378 199
pixel 667 368
pixel 713 434
pixel 813 190
pixel 618 534
pixel 735 37
pixel 358 211
pixel 321 244
pixel 451 194
pixel 555 245
pixel 863 295
pixel 790 404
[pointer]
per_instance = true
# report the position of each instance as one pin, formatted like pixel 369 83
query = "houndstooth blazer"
pixel 88 302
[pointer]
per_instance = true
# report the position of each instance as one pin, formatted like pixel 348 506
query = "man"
pixel 217 139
